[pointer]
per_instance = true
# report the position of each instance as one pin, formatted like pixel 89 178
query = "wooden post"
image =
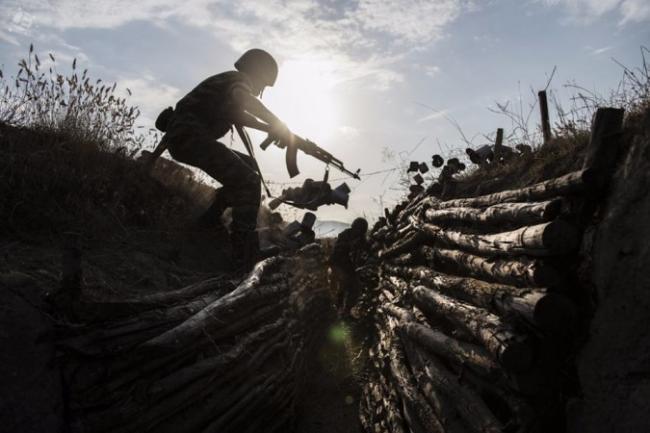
pixel 498 142
pixel 602 152
pixel 498 145
pixel 546 124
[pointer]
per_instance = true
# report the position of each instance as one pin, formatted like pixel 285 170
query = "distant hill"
pixel 329 229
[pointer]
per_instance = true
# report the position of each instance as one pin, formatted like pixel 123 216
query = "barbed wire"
pixel 362 175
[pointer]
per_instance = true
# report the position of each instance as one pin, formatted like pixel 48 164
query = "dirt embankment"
pixel 614 364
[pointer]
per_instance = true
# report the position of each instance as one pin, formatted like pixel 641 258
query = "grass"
pixel 67 147
pixel 571 132
pixel 40 97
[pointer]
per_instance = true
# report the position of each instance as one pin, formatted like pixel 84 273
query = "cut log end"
pixel 561 237
pixel 545 275
pixel 517 356
pixel 555 312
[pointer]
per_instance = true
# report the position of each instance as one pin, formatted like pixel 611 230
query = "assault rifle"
pixel 296 143
pixel 293 144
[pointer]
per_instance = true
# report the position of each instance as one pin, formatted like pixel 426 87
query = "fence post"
pixel 498 145
pixel 602 153
pixel 546 124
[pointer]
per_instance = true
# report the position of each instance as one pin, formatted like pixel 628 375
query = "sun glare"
pixel 304 99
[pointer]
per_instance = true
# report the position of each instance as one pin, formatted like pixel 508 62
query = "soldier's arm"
pixel 250 104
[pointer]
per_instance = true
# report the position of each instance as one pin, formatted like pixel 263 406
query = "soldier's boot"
pixel 211 218
pixel 245 249
pixel 243 236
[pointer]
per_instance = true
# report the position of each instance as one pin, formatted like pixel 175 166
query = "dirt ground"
pixel 614 366
pixel 31 395
pixel 331 398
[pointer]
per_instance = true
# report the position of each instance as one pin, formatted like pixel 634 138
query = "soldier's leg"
pixel 241 185
pixel 244 236
pixel 191 144
pixel 242 191
pixel 234 170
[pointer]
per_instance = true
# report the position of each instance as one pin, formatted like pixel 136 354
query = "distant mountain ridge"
pixel 329 229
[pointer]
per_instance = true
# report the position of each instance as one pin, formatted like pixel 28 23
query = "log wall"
pixel 479 307
pixel 212 357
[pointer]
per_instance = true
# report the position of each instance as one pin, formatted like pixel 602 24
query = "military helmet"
pixel 360 225
pixel 259 64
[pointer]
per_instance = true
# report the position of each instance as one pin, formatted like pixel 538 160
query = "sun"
pixel 304 98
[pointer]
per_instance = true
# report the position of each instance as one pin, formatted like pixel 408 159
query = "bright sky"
pixel 355 76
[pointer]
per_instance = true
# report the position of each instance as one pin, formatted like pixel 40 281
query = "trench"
pixel 450 338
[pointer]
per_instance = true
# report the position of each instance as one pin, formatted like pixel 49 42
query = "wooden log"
pixel 521 272
pixel 381 233
pixel 279 417
pixel 111 307
pixel 219 284
pixel 522 415
pixel 405 244
pixel 549 311
pixel 513 350
pixel 170 384
pixel 225 388
pixel 249 294
pixel 399 232
pixel 119 336
pixel 572 183
pixel 434 378
pixel 411 208
pixel 409 392
pixel 135 366
pixel 225 316
pixel 403 259
pixel 547 239
pixel 365 408
pixel 381 404
pixel 252 403
pixel 520 214
pixel 603 150
pixel 134 415
pixel 470 355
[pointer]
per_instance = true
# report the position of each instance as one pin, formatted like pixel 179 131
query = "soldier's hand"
pixel 280 131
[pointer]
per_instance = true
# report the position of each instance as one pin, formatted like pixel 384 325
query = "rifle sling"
pixel 249 149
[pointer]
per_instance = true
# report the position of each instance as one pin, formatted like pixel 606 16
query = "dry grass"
pixel 558 157
pixel 571 134
pixel 66 159
pixel 52 182
pixel 40 97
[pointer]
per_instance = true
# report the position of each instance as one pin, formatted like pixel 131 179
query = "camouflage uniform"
pixel 200 119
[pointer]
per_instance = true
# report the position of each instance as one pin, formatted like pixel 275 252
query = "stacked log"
pixel 478 304
pixel 210 357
